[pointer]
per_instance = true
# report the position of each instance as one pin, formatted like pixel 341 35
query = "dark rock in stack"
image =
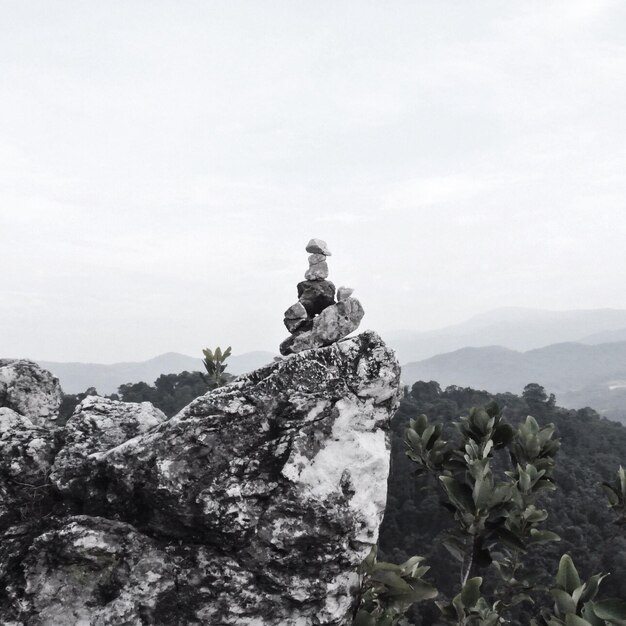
pixel 316 320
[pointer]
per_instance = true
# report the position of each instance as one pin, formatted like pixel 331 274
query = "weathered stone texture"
pixel 29 390
pixel 97 425
pixel 252 506
pixel 26 454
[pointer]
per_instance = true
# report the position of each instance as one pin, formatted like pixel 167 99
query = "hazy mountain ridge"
pixel 515 328
pixel 77 377
pixel 579 374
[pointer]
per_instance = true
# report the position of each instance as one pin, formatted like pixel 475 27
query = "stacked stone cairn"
pixel 317 320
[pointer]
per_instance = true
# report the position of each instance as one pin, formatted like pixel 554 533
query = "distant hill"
pixel 578 374
pixel 515 328
pixel 606 336
pixel 77 377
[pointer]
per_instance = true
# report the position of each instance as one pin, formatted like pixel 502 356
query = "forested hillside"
pixel 591 451
pixel 580 375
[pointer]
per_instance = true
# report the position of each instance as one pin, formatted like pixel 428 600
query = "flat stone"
pixel 316 295
pixel 318 271
pixel 296 311
pixel 314 259
pixel 296 318
pixel 318 246
pixel 298 325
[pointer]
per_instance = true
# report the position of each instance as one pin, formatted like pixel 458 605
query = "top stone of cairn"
pixel 318 246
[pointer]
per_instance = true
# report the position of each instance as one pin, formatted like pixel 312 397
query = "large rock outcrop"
pixel 253 505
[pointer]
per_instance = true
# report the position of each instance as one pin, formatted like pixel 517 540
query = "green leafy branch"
pixel 497 517
pixel 574 601
pixel 386 590
pixel 214 363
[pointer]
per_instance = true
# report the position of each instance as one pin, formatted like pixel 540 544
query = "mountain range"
pixel 580 355
pixel 515 328
pixel 578 374
pixel 77 377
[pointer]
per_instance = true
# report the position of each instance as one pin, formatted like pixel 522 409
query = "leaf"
pixel 535 515
pixel 564 602
pixel 574 620
pixel 542 536
pixel 611 494
pixel 567 577
pixel 455 547
pixel 492 409
pixel 427 434
pixel 363 618
pixel 370 559
pixel 509 538
pixel 410 566
pixel 487 449
pixel 590 616
pixel 471 592
pixel 622 480
pixel 391 580
pixel 422 591
pixel 613 609
pixel 502 435
pixel 578 592
pixel 460 494
pixel 413 438
pixel 592 587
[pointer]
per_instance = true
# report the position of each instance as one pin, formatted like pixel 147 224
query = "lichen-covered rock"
pixel 29 390
pixel 26 455
pixel 97 571
pixel 253 506
pixel 98 424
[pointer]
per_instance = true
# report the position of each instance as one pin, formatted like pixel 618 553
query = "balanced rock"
pixel 29 390
pixel 316 295
pixel 296 316
pixel 318 268
pixel 253 505
pixel 331 325
pixel 344 292
pixel 318 246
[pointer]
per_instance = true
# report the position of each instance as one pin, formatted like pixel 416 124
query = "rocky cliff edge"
pixel 252 506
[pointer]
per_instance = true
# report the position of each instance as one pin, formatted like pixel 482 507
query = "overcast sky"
pixel 163 164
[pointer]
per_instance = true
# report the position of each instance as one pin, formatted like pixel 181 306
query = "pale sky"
pixel 164 163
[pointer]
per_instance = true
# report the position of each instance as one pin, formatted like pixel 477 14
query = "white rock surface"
pixel 29 390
